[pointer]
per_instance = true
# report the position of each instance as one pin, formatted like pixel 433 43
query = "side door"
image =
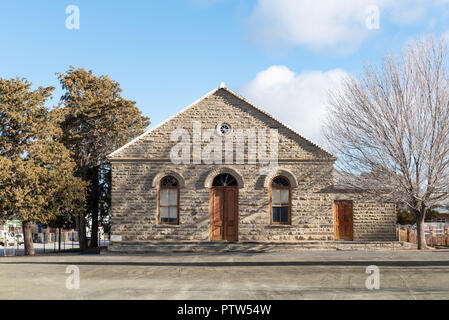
pixel 343 220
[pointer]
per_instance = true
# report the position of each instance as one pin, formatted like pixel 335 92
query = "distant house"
pixel 440 215
pixel 13 226
pixel 158 196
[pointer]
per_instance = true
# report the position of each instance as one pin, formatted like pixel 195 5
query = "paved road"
pixel 293 275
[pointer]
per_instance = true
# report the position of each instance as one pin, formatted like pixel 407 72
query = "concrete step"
pixel 214 247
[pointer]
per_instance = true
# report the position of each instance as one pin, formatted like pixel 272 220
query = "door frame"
pixel 336 221
pixel 236 208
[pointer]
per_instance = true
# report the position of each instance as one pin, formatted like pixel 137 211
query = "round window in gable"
pixel 224 129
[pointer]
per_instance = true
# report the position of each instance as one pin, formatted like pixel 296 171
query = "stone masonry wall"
pixel 134 204
pixel 212 111
pixel 134 189
pixel 374 220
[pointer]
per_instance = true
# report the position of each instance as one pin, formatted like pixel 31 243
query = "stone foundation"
pixel 217 247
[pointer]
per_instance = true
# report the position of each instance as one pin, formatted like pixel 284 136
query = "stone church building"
pixel 167 188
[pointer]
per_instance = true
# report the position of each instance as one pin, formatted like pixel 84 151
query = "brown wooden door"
pixel 343 218
pixel 224 213
pixel 216 219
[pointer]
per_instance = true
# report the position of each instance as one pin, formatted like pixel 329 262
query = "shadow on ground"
pixel 240 263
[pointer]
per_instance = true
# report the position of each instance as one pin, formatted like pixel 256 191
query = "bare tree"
pixel 390 129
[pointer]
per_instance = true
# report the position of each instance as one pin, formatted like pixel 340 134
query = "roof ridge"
pixel 223 87
pixel 277 120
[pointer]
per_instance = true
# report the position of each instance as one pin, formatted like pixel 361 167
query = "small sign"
pixel 116 237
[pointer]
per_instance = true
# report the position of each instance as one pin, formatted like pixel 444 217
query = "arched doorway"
pixel 224 200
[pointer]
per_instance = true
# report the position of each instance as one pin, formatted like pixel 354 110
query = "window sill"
pixel 274 226
pixel 167 226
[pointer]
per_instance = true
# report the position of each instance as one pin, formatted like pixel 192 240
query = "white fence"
pixel 48 242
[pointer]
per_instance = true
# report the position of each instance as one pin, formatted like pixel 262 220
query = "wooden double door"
pixel 224 213
pixel 343 220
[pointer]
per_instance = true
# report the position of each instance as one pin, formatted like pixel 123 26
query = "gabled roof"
pixel 210 93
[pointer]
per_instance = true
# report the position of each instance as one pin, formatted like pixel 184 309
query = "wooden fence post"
pixel 431 235
pixel 446 235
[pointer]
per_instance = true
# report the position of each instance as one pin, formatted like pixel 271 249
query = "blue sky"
pixel 281 54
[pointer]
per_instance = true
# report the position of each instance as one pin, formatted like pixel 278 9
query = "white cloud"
pixel 298 100
pixel 329 23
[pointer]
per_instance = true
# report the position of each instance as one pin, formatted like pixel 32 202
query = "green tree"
pixel 36 170
pixel 97 120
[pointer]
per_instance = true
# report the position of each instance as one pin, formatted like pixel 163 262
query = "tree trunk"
pixel 28 238
pixel 82 232
pixel 81 219
pixel 95 199
pixel 59 238
pixel 421 236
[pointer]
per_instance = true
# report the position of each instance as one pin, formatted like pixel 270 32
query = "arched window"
pixel 224 180
pixel 280 201
pixel 168 201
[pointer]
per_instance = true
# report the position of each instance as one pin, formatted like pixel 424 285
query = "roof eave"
pixel 223 87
